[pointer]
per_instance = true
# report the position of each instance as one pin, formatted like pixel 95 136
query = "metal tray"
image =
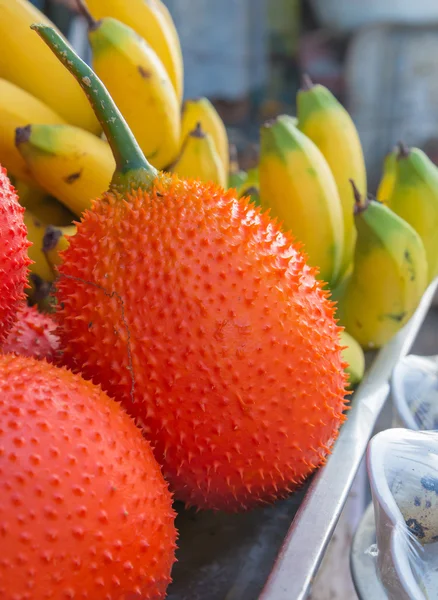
pixel 273 553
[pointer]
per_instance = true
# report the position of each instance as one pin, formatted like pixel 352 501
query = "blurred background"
pixel 247 56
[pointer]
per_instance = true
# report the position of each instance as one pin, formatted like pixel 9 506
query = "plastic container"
pixel 403 472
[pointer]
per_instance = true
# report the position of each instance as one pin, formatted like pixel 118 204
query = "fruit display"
pixel 210 285
pixel 174 327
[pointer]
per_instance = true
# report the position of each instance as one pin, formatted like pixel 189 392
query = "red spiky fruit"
pixel 193 309
pixel 14 260
pixel 84 509
pixel 33 334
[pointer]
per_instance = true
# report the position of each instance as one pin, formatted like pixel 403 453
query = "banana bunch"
pixel 389 275
pixel 199 159
pixel 414 197
pixel 35 234
pixel 137 79
pixel 201 110
pixel 298 187
pixel 55 241
pixel 326 122
pixel 30 65
pixel 152 21
pixel 18 108
pixel 71 164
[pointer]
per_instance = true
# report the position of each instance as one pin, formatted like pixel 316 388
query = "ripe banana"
pixel 326 122
pixel 17 109
pixel 386 184
pixel 236 177
pixel 199 159
pixel 201 110
pixel 154 24
pixel 297 185
pixel 35 234
pixel 55 241
pixel 71 164
pixel 353 355
pixel 27 62
pixel 414 198
pixel 139 85
pixel 388 279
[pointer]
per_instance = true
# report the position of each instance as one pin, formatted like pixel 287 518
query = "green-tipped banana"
pixel 298 186
pixel 71 164
pixel 388 279
pixel 387 181
pixel 354 356
pixel 415 199
pixel 326 122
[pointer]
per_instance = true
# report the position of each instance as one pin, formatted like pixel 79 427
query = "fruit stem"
pixel 22 134
pixel 83 9
pixel 132 168
pixel 403 150
pixel 198 132
pixel 306 83
pixel 360 204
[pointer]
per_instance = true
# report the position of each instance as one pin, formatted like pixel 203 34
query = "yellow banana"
pixel 297 185
pixel 55 241
pixel 17 109
pixel 138 82
pixel 236 177
pixel 414 198
pixel 201 110
pixel 388 279
pixel 153 25
pixel 35 234
pixel 386 184
pixel 199 159
pixel 27 62
pixel 353 355
pixel 326 122
pixel 71 164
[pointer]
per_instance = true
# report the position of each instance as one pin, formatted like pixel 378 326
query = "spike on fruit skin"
pixel 14 261
pixel 33 334
pixel 217 339
pixel 193 309
pixel 84 510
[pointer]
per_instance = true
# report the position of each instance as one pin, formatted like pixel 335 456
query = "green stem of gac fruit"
pixel 133 171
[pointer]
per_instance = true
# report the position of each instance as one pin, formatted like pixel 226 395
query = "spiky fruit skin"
pixel 203 318
pixel 84 510
pixel 33 334
pixel 13 254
